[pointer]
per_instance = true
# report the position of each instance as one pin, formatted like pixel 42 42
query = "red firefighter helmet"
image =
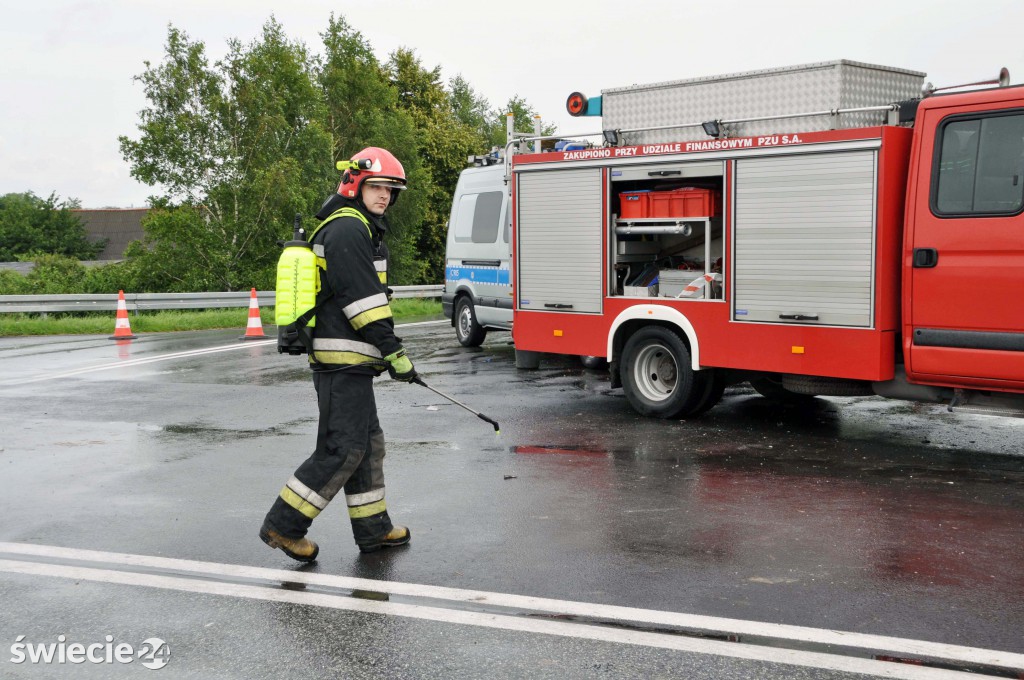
pixel 373 165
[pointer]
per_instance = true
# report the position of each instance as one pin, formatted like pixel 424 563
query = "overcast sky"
pixel 67 67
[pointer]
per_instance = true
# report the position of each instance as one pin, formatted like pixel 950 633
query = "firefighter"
pixel 353 342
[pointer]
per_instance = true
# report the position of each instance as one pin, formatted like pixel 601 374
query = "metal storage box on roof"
pixel 805 88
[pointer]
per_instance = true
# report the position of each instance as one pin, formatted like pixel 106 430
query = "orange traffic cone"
pixel 254 329
pixel 122 329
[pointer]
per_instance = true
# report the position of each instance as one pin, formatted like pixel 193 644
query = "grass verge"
pixel 88 323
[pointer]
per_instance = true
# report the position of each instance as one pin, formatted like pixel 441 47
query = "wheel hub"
pixel 465 321
pixel 655 372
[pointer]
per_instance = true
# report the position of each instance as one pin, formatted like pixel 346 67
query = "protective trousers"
pixel 349 453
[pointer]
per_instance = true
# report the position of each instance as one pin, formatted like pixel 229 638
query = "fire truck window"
pixel 487 217
pixel 981 167
pixel 1000 185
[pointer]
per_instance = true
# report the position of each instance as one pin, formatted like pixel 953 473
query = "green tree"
pixel 362 110
pixel 60 274
pixel 30 225
pixel 490 125
pixel 180 252
pixel 524 115
pixel 239 147
pixel 55 275
pixel 471 109
pixel 444 142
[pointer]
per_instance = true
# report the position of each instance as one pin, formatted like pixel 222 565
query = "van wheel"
pixel 657 377
pixel 467 330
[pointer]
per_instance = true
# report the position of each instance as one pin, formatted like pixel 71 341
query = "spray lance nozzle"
pixel 497 430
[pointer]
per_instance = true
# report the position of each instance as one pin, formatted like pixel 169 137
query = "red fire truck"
pixel 816 230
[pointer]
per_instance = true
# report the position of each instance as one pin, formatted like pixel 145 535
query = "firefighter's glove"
pixel 399 366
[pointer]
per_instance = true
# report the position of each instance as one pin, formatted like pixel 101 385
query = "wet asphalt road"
pixel 858 515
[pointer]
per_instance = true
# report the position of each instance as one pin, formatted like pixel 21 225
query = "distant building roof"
pixel 119 226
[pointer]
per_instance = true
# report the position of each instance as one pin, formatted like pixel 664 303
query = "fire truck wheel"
pixel 771 388
pixel 657 377
pixel 713 395
pixel 826 387
pixel 467 330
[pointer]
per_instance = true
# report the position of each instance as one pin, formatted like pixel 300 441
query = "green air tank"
pixel 298 282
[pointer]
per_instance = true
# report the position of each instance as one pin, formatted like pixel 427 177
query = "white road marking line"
pixel 138 362
pixel 496 621
pixel 164 357
pixel 895 646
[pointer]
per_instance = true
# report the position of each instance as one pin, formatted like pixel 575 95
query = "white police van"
pixel 477 293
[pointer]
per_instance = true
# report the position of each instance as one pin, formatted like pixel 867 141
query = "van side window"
pixel 979 167
pixel 464 218
pixel 487 217
pixel 507 221
pixel 477 217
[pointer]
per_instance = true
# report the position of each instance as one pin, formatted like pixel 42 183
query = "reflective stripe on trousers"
pixel 349 455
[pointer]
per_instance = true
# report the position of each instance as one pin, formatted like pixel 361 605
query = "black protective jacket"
pixel 354 327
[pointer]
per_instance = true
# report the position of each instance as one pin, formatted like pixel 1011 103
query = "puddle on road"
pixel 890 511
pixel 218 434
pixel 559 450
pixel 428 446
pixel 90 442
pixel 377 596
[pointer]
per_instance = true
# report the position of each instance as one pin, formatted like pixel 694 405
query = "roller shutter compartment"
pixel 559 232
pixel 805 239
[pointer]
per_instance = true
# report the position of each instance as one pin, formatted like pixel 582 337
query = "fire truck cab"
pixel 871 247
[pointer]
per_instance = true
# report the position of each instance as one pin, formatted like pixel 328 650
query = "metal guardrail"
pixel 44 304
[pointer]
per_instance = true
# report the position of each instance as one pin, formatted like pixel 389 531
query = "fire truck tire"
pixel 771 388
pixel 713 395
pixel 827 387
pixel 657 377
pixel 467 330
pixel 527 360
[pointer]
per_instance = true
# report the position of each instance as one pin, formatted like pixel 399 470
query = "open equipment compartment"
pixel 666 230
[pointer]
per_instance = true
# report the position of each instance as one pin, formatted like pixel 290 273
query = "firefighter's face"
pixel 376 197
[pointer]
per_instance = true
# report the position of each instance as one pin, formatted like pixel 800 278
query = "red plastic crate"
pixel 685 202
pixel 634 205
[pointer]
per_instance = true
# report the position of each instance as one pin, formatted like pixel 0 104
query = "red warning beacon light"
pixel 576 104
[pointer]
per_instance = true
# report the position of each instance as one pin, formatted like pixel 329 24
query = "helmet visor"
pixel 392 182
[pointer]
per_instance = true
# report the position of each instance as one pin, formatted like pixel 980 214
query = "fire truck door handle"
pixel 925 258
pixel 551 305
pixel 799 317
pixel 664 173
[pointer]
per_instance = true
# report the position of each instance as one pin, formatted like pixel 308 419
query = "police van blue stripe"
pixel 493 275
